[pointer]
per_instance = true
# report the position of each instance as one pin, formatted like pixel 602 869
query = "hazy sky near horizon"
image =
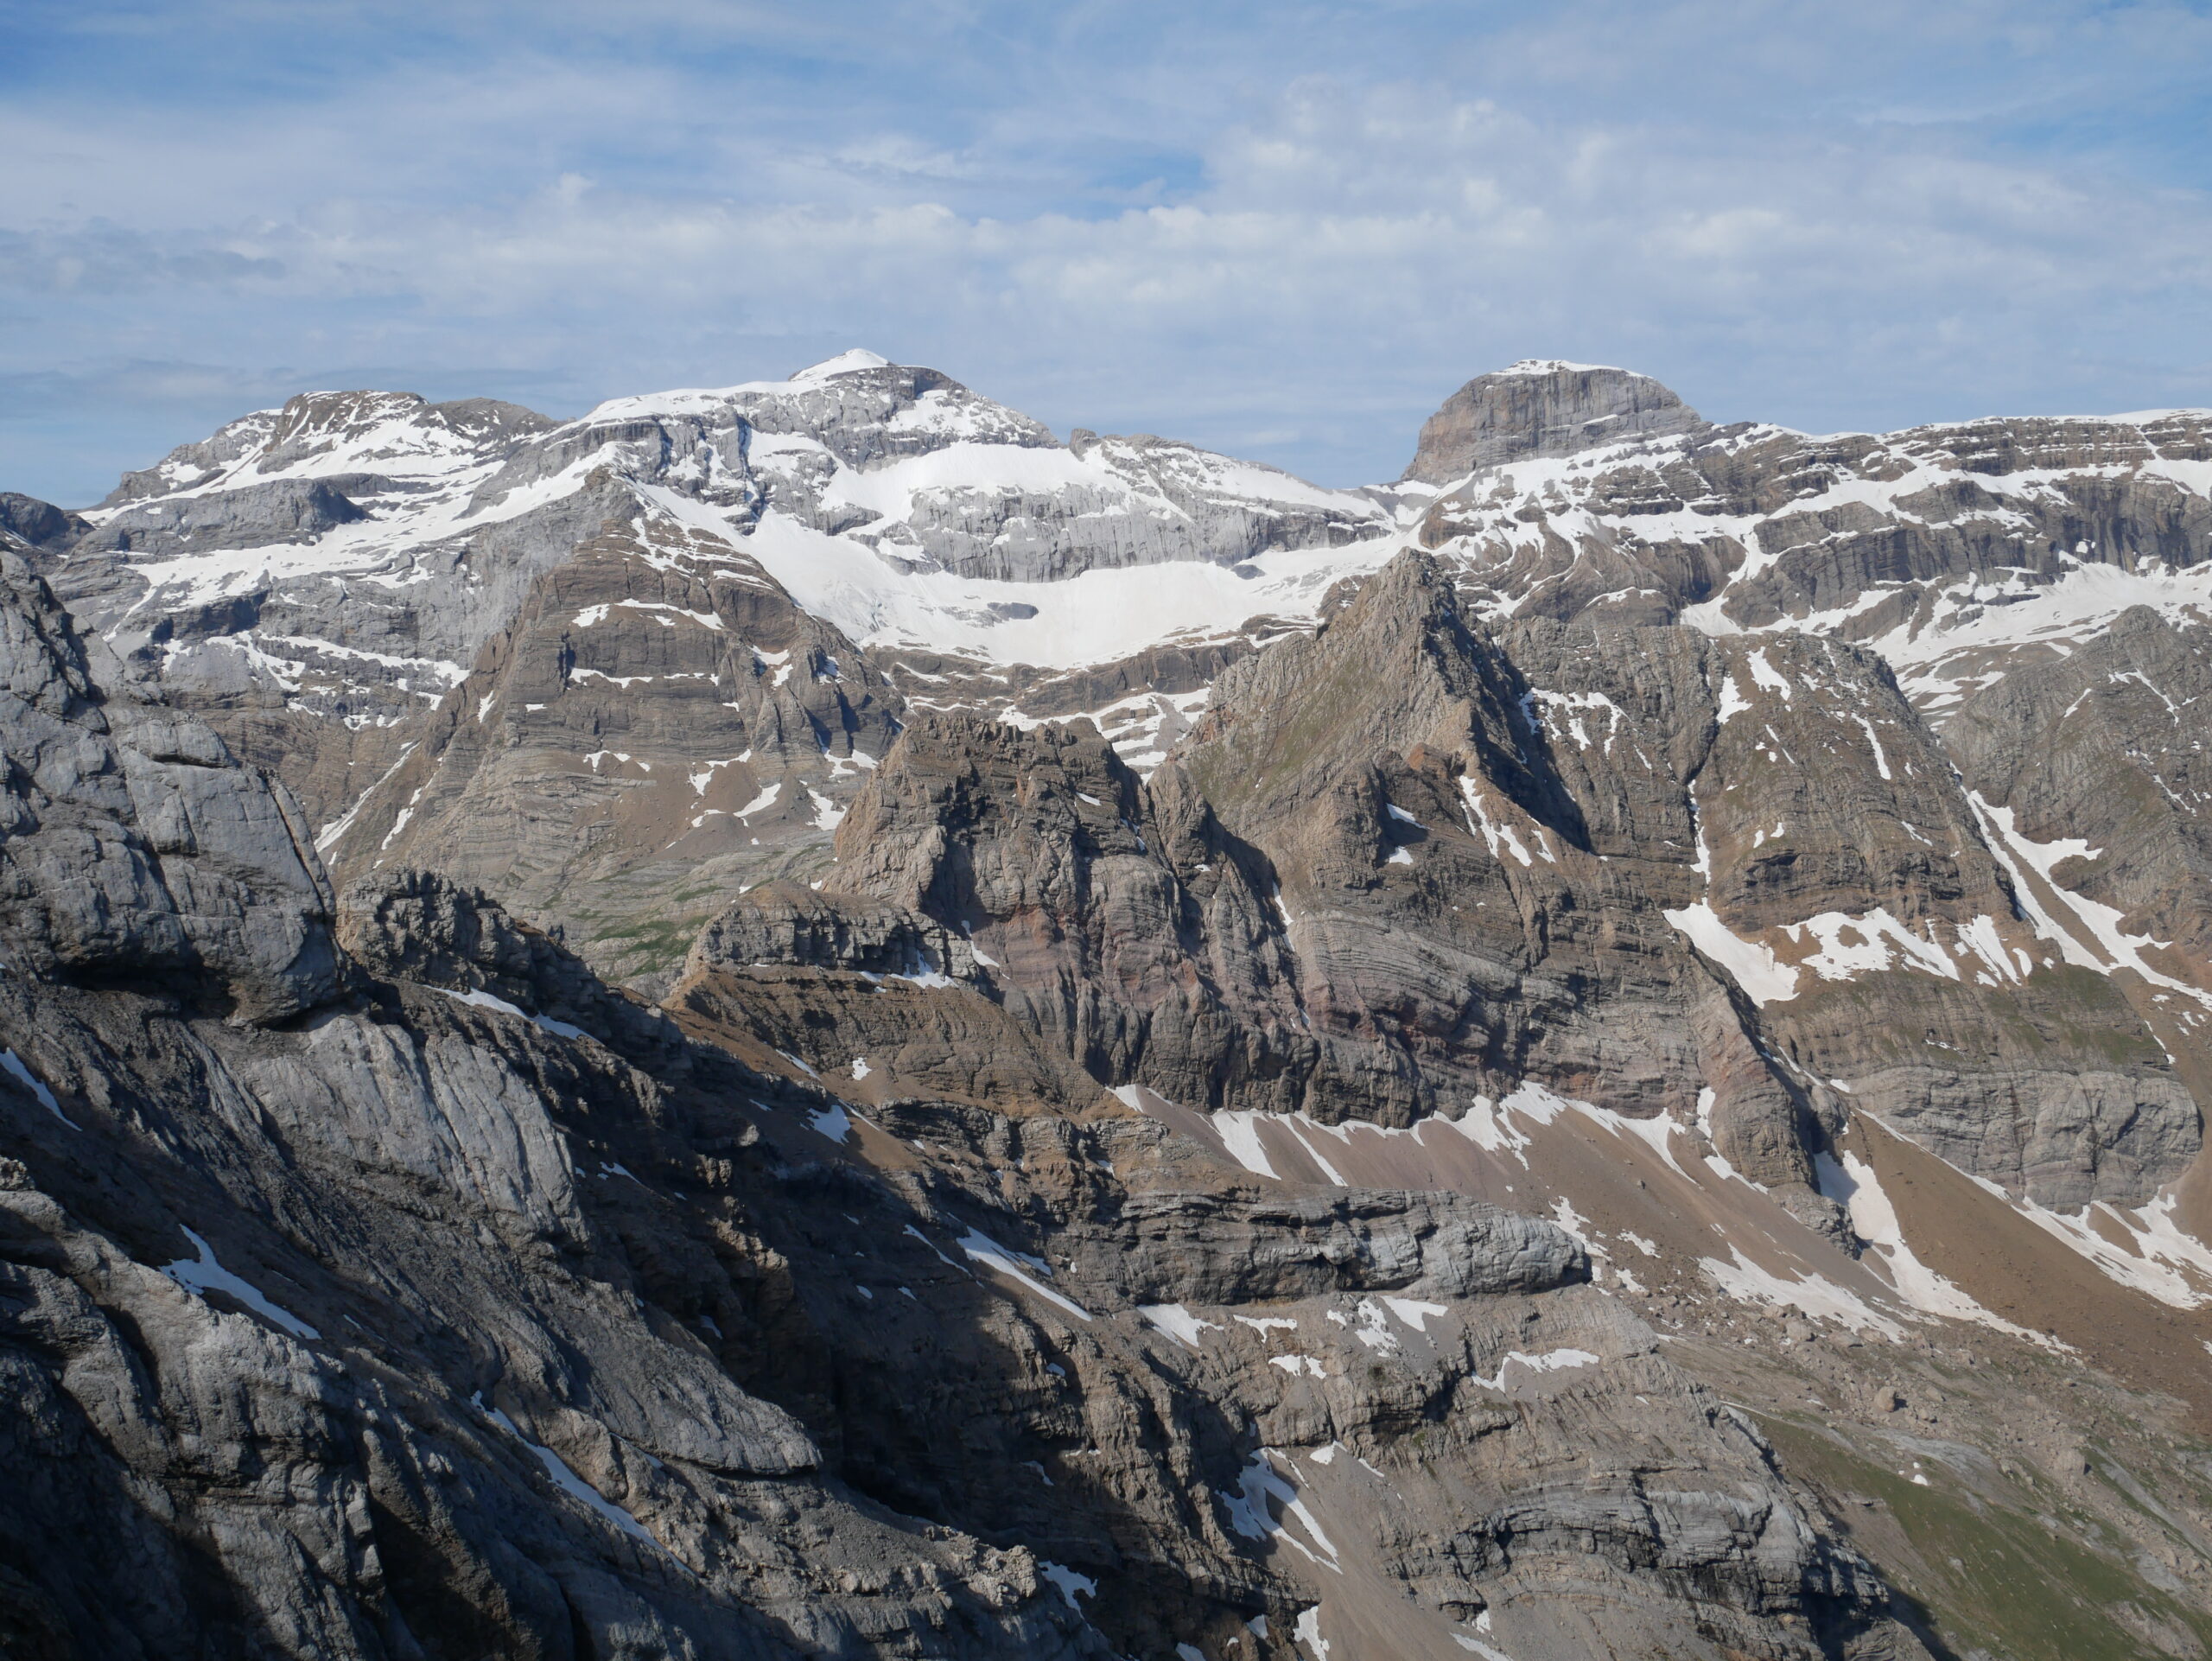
pixel 1284 229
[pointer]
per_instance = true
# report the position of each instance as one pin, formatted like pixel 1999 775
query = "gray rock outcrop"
pixel 283 509
pixel 1541 407
pixel 39 525
pixel 782 923
pixel 135 845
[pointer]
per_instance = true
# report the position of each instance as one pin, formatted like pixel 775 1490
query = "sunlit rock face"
pixel 1542 407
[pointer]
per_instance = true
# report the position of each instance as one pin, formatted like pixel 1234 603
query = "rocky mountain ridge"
pixel 1598 1053
pixel 951 547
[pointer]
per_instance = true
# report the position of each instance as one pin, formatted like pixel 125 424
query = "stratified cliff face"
pixel 929 1043
pixel 1395 869
pixel 1957 552
pixel 1542 407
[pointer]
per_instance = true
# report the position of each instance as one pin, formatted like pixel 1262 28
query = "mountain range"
pixel 799 1020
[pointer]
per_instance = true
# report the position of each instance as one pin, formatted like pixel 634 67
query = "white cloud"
pixel 1814 213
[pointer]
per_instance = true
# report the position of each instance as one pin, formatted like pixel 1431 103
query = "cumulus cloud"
pixel 1288 240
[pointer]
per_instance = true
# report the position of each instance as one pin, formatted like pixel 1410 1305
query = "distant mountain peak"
pixel 1543 407
pixel 1562 365
pixel 845 363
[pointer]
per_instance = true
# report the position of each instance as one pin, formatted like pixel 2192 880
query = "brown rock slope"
pixel 1398 868
pixel 657 713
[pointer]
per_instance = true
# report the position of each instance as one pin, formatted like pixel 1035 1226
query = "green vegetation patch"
pixel 1985 1576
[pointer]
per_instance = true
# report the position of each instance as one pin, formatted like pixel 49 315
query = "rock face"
pixel 41 526
pixel 421 1386
pixel 657 717
pixel 1956 552
pixel 135 845
pixel 1117 922
pixel 249 516
pixel 402 536
pixel 2099 757
pixel 396 434
pixel 317 582
pixel 1408 862
pixel 1541 407
pixel 781 923
pixel 264 1477
pixel 355 1396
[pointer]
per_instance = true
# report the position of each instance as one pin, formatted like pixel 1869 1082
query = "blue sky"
pixel 1284 229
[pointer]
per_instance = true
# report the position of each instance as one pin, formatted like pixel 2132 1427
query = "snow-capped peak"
pixel 699 400
pixel 845 363
pixel 1560 366
pixel 335 433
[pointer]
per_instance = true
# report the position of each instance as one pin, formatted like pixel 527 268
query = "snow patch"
pixel 988 1252
pixel 2173 1267
pixel 1071 1585
pixel 569 1483
pixel 1549 1361
pixel 202 1275
pixel 1764 976
pixel 1307 1631
pixel 1881 760
pixel 1495 834
pixel 1178 1323
pixel 1250 1515
pixel 1239 1135
pixel 1854 1184
pixel 1413 1312
pixel 1766 675
pixel 1809 1293
pixel 761 803
pixel 13 1064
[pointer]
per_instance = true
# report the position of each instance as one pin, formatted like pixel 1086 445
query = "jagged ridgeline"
pixel 798 1020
